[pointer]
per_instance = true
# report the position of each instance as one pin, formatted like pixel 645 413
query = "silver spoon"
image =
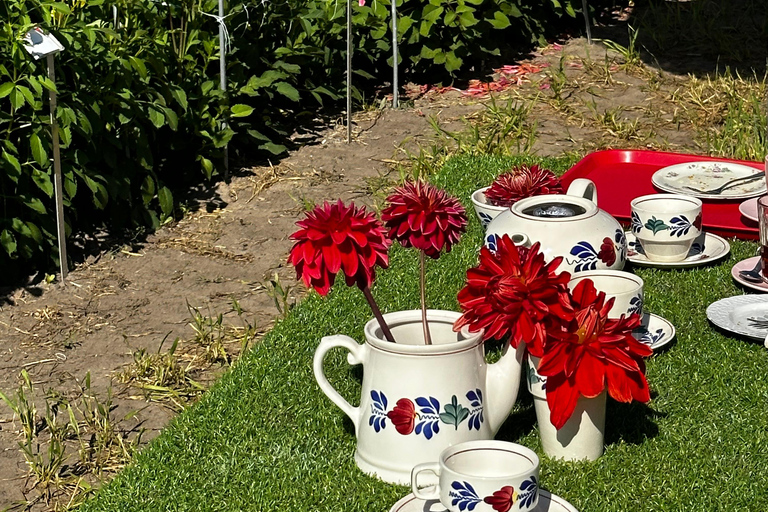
pixel 753 275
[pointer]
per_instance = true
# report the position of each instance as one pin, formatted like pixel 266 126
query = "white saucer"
pixel 708 175
pixel 747 264
pixel 654 331
pixel 749 209
pixel 742 314
pixel 548 502
pixel 706 249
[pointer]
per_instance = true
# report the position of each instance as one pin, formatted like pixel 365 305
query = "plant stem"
pixel 377 314
pixel 423 286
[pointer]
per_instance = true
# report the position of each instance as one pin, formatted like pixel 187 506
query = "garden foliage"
pixel 139 105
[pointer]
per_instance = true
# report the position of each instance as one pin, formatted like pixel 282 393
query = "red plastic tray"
pixel 622 175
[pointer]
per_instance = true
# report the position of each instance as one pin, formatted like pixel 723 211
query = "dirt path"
pixel 133 299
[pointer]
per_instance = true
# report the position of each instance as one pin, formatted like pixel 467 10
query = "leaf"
pixel 148 189
pixel 27 94
pixel 17 99
pixel 43 182
pixel 34 204
pixel 15 165
pixel 452 62
pixel 500 20
pixel 172 118
pixel 165 197
pixel 139 66
pixel 8 241
pixel 5 89
pixel 258 135
pixel 273 148
pixel 207 166
pixel 60 7
pixel 38 153
pixel 288 91
pixel 240 110
pixel 180 96
pixel 156 117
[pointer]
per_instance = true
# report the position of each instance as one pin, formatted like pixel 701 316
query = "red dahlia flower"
pixel 335 237
pixel 587 352
pixel 423 216
pixel 521 182
pixel 512 292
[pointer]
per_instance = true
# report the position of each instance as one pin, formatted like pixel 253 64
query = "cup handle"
pixel 582 187
pixel 434 493
pixel 356 356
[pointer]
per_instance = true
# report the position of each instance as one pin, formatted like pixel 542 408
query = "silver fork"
pixel 740 181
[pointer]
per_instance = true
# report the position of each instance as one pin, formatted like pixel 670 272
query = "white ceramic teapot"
pixel 569 225
pixel 419 399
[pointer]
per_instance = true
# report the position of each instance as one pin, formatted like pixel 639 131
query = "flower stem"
pixel 378 315
pixel 423 286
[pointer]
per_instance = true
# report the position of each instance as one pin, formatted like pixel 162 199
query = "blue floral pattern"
pixel 378 418
pixel 650 338
pixel 492 242
pixel 587 257
pixel 485 219
pixel 635 304
pixel 476 414
pixel 527 493
pixel 429 423
pixel 680 226
pixel 637 224
pixel 464 496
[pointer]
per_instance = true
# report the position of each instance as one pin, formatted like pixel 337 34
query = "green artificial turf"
pixel 265 438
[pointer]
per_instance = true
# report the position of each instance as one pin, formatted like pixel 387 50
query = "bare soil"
pixel 131 299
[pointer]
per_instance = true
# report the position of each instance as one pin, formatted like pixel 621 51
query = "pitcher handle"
pixel 582 187
pixel 355 356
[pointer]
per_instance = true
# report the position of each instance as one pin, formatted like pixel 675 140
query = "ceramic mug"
pixel 666 225
pixel 482 476
pixel 626 289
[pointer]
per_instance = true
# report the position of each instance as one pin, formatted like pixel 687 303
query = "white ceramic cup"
pixel 625 288
pixel 482 476
pixel 485 211
pixel 666 225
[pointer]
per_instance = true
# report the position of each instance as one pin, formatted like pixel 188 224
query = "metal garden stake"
pixel 395 101
pixel 39 44
pixel 349 71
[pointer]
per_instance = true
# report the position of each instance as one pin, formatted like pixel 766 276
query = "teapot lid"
pixel 555 208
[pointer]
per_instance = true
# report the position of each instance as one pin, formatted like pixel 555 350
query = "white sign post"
pixel 39 44
pixel 395 100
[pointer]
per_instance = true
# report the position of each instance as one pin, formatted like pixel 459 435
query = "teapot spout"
pixel 502 383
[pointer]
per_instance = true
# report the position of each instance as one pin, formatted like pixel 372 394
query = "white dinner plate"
pixel 706 176
pixel 746 315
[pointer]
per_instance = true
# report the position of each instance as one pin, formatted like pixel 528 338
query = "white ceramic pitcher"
pixel 419 399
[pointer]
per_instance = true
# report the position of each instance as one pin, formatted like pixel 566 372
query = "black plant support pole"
pixel 377 314
pixel 423 290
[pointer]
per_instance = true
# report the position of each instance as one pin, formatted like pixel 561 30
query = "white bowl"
pixel 485 211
